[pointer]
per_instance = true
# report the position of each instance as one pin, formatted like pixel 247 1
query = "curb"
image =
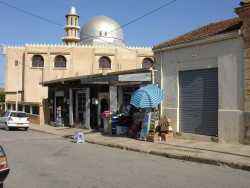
pixel 165 154
pixel 177 156
pixel 42 131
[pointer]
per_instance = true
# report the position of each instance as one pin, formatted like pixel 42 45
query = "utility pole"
pixel 153 74
pixel 3 53
pixel 17 66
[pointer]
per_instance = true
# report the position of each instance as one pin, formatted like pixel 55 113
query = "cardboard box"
pixel 167 136
pixel 153 137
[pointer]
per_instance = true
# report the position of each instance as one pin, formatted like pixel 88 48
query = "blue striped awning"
pixel 149 96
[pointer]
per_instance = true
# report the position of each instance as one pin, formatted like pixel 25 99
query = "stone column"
pixel 120 97
pixel 230 119
pixel 41 112
pixel 113 98
pixel 71 115
pixel 244 13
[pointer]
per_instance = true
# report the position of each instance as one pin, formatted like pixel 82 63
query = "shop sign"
pixel 135 77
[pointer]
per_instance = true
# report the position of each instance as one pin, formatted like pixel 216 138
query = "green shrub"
pixel 2 96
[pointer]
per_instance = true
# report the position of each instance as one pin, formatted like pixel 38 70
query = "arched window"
pixel 104 63
pixel 60 61
pixel 37 61
pixel 147 63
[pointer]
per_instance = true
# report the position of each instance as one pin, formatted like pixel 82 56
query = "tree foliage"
pixel 2 96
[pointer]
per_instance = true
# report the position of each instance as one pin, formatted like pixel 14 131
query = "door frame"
pixel 87 105
pixel 102 95
pixel 58 93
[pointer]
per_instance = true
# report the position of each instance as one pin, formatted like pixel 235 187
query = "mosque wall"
pixel 80 60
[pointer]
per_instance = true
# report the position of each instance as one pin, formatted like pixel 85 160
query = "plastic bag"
pixel 79 137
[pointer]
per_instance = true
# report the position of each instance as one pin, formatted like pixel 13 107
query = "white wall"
pixel 227 56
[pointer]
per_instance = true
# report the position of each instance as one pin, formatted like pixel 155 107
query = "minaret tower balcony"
pixel 71 28
pixel 71 38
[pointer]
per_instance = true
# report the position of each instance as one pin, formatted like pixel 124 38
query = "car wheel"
pixel 7 129
pixel 26 128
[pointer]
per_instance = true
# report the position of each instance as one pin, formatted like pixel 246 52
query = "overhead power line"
pixel 30 13
pixel 139 17
pixel 35 15
pixel 90 36
pixel 61 25
pixel 145 15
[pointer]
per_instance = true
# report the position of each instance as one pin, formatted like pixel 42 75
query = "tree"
pixel 2 96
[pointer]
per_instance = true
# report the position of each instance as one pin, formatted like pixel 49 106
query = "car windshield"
pixel 18 114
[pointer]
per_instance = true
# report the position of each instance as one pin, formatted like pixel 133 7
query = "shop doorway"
pixel 58 107
pixel 103 105
pixel 82 108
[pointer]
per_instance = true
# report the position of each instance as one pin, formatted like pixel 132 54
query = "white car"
pixel 14 119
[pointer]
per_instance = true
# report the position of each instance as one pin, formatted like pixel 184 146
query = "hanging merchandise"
pixel 59 121
pixel 106 116
pixel 147 98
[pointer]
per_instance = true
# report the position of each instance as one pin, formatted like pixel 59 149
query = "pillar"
pixel 41 114
pixel 244 13
pixel 71 115
pixel 113 98
pixel 120 97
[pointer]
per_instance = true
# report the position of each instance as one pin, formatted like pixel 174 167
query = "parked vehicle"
pixel 14 119
pixel 4 169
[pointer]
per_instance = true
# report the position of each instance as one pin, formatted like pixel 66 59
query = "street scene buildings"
pixel 78 72
pixel 185 98
pixel 205 74
pixel 35 64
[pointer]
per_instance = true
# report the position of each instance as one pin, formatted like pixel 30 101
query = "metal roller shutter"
pixel 199 101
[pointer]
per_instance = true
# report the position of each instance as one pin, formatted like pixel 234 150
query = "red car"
pixel 4 169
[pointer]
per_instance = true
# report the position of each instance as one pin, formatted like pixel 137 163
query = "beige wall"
pixel 81 60
pixel 12 72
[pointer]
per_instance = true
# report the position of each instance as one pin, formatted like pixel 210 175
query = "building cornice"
pixel 208 40
pixel 77 46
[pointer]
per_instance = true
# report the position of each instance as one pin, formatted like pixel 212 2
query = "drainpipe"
pixel 17 66
pixel 153 74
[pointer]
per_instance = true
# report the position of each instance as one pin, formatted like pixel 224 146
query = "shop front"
pixel 83 101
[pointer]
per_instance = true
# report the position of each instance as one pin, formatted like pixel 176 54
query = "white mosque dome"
pixel 102 30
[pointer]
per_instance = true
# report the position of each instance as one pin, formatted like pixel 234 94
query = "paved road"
pixel 40 160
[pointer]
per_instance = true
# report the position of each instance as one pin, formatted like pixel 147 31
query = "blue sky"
pixel 182 16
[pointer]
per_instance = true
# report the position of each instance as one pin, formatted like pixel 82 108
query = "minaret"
pixel 71 28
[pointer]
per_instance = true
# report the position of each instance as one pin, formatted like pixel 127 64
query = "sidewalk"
pixel 236 156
